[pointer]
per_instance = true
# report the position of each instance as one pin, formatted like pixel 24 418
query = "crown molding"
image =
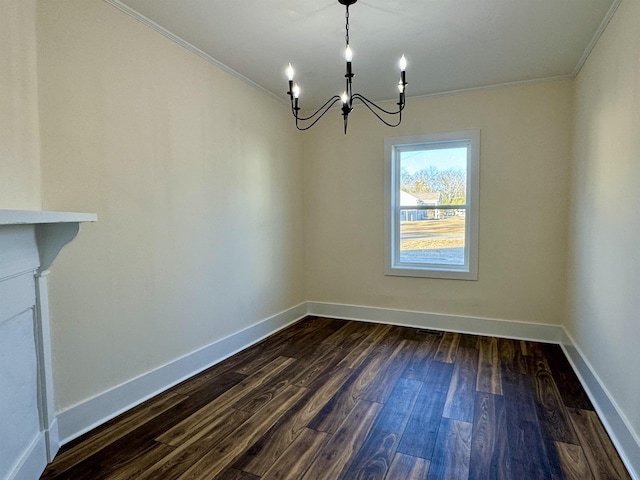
pixel 596 36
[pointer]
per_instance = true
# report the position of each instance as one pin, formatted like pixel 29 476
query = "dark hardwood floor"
pixel 333 399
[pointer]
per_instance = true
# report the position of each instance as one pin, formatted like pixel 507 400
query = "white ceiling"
pixel 450 44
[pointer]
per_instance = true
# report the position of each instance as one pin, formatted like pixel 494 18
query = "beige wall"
pixel 524 183
pixel 19 134
pixel 196 185
pixel 604 304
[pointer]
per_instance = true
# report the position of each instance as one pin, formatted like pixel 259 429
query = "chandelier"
pixel 348 97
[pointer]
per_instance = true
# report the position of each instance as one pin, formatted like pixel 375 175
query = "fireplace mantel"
pixel 29 243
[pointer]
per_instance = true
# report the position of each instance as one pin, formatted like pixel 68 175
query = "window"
pixel 431 205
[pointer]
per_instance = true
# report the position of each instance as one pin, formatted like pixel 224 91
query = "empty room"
pixel 331 239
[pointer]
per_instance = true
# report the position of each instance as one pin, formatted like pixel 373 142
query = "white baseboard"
pixel 84 417
pixel 436 321
pixel 34 461
pixel 52 440
pixel 87 415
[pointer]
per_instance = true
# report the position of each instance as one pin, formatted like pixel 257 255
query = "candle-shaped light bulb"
pixel 344 97
pixel 403 63
pixel 290 72
pixel 348 54
pixel 296 91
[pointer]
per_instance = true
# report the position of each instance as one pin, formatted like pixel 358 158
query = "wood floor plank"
pixel 489 372
pixel 305 342
pixel 348 335
pixel 525 347
pixel 222 456
pixel 406 467
pixel 376 454
pixel 204 379
pixel 118 460
pixel 130 447
pixel 255 357
pixel 602 457
pixel 143 462
pixel 574 462
pixel 388 342
pixel 530 423
pixel 310 322
pixel 396 411
pixel 233 474
pixel 317 366
pixel 572 393
pixel 242 359
pixel 511 358
pixel 374 458
pixel 552 413
pixel 526 444
pixel 192 449
pixel 267 350
pixel 362 350
pixel 460 400
pixel 125 448
pixel 452 451
pixel 418 366
pixel 469 341
pixel 253 399
pixel 183 430
pixel 446 351
pixel 297 458
pixel 420 434
pixel 72 456
pixel 262 356
pixel 489 456
pixel 270 446
pixel 301 373
pixel 339 451
pixel 380 388
pixel 334 413
pixel 527 453
pixel 304 326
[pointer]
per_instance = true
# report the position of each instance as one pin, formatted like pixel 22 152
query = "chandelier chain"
pixel 346 15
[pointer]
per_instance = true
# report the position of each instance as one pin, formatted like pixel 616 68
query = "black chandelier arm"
pixel 319 113
pixel 327 105
pixel 370 105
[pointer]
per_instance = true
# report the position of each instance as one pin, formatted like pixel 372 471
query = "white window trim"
pixel 469 271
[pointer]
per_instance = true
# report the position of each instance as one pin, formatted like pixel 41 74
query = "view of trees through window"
pixel 433 188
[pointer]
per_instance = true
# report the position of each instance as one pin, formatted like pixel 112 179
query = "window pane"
pixel 431 176
pixel 432 236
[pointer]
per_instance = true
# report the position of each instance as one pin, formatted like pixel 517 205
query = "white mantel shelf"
pixel 32 217
pixel 30 241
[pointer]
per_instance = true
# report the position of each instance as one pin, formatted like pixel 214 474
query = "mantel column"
pixel 29 243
